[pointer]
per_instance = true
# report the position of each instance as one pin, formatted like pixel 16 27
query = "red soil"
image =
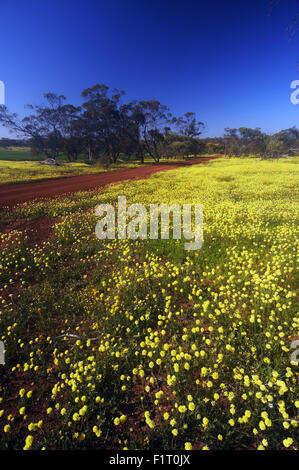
pixel 11 194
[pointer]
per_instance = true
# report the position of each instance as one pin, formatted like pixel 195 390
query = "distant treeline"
pixel 104 128
pixel 5 142
pixel 245 141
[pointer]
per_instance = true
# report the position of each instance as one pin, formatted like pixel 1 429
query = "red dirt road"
pixel 11 194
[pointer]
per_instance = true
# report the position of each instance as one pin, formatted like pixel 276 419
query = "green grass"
pixel 18 154
pixel 27 171
pixel 18 165
pixel 24 154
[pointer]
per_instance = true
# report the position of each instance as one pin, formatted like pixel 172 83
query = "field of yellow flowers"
pixel 125 344
pixel 29 171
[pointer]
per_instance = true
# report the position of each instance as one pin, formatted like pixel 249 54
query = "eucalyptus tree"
pixel 47 127
pixel 153 123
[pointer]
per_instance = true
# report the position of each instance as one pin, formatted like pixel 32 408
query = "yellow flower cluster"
pixel 138 344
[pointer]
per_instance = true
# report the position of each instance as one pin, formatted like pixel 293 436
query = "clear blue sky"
pixel 229 61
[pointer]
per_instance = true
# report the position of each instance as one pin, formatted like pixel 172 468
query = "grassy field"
pixel 18 165
pixel 123 344
pixel 23 170
pixel 20 172
pixel 17 154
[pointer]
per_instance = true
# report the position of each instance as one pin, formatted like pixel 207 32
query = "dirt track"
pixel 11 194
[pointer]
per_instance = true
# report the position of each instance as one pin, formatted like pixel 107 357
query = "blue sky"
pixel 231 62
